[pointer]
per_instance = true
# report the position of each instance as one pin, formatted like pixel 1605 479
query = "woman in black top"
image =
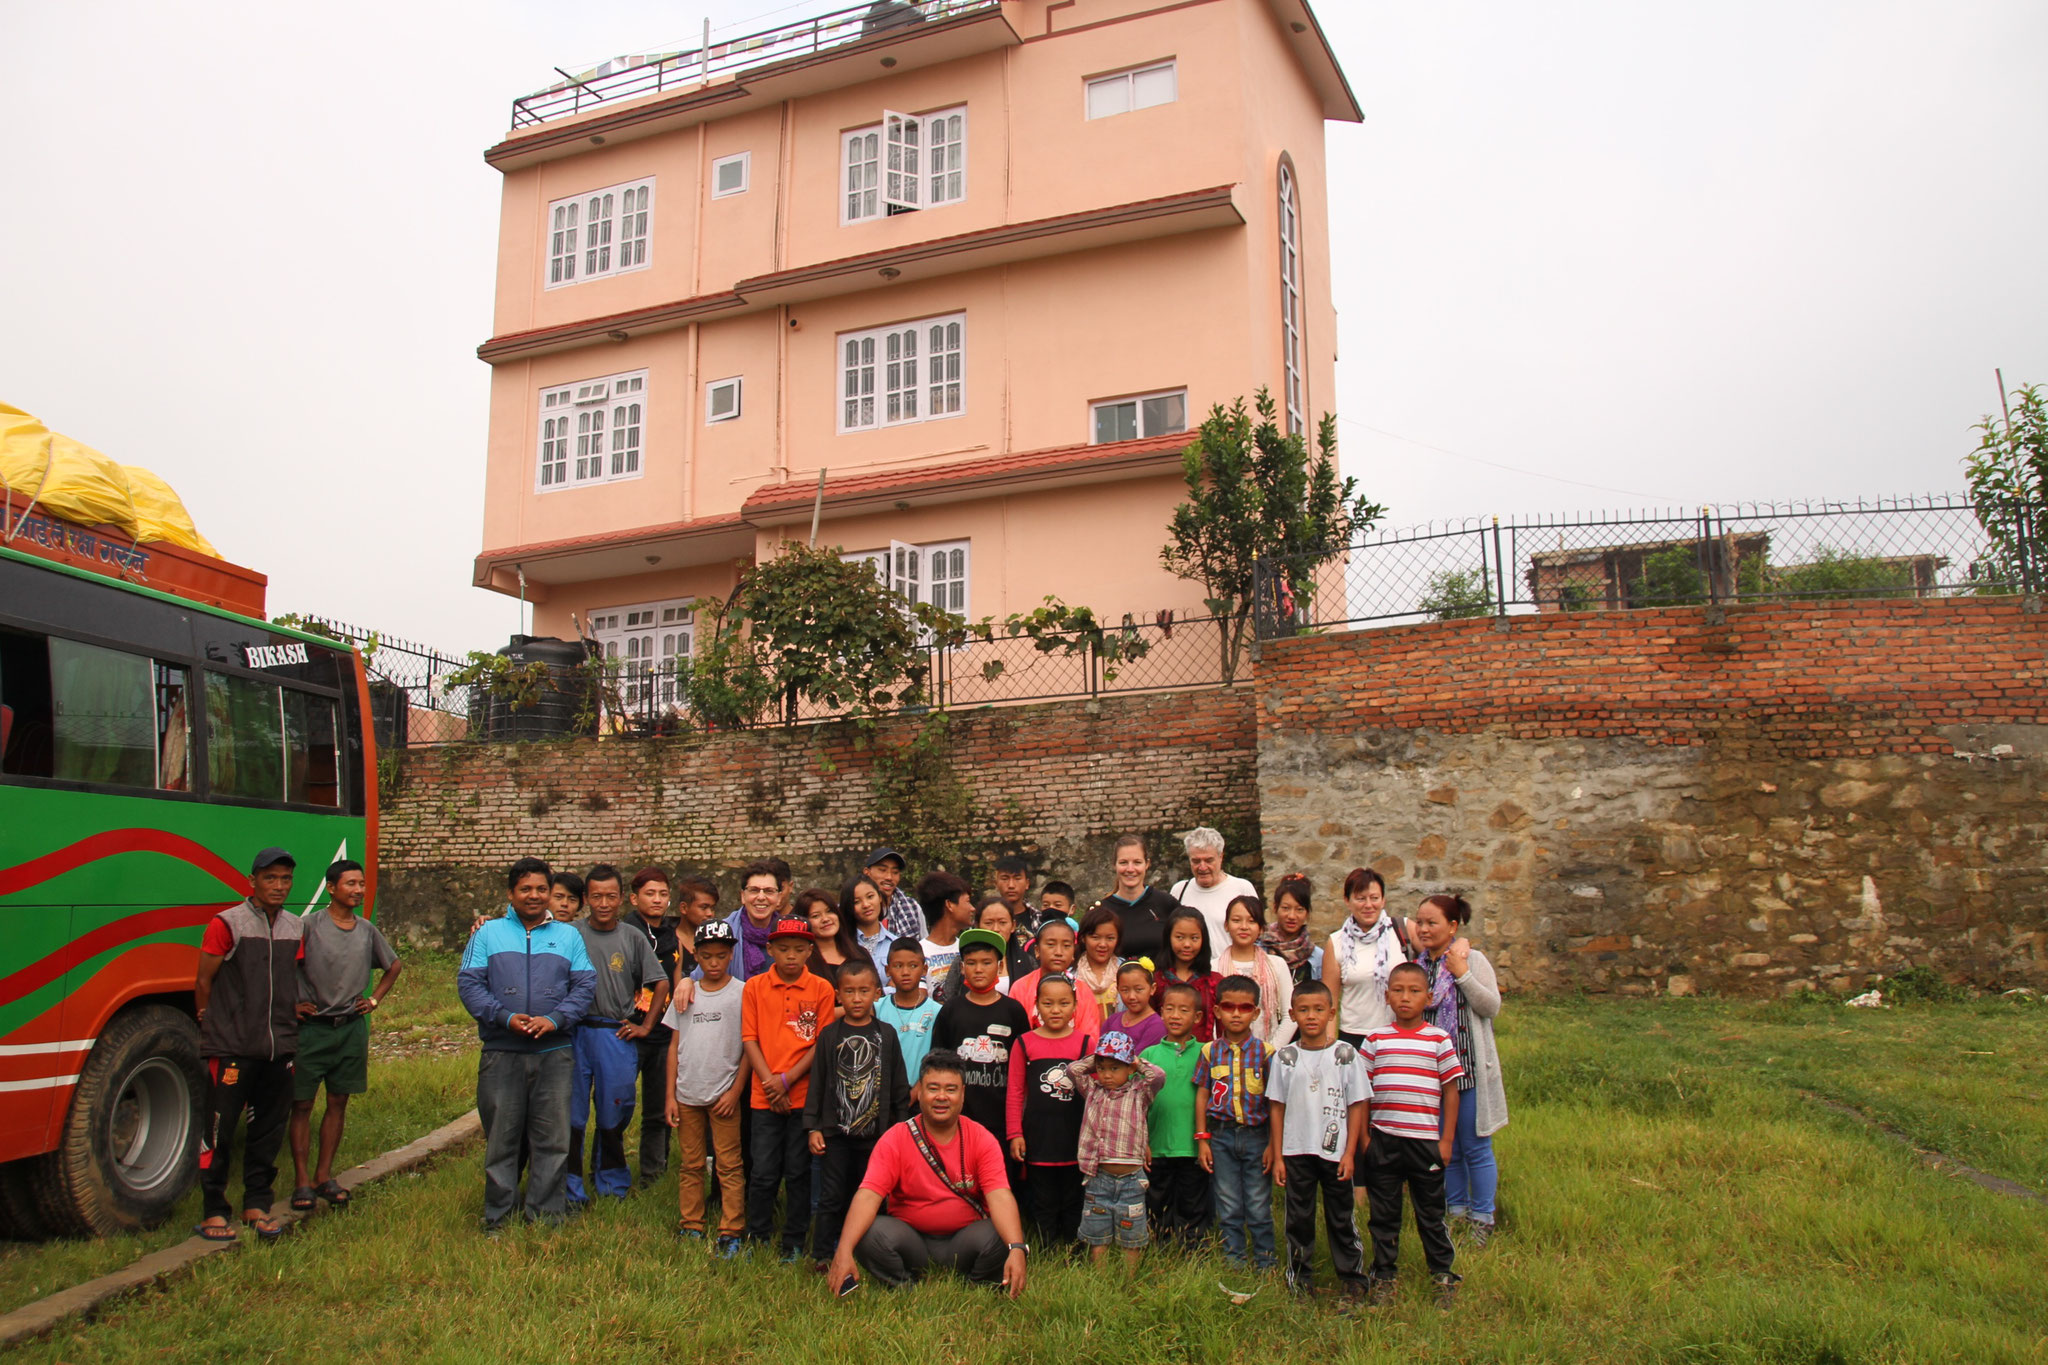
pixel 832 942
pixel 1141 910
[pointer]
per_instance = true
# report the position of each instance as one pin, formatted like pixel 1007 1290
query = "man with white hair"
pixel 1209 890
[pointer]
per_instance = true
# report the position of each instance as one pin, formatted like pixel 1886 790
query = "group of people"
pixel 904 1076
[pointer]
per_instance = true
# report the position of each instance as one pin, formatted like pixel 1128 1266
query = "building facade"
pixel 972 267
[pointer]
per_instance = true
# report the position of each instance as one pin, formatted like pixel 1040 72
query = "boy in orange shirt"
pixel 781 1011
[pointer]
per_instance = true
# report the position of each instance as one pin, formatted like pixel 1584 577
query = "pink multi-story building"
pixel 982 264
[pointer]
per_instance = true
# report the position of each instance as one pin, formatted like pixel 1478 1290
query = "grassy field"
pixel 424 1075
pixel 1669 1191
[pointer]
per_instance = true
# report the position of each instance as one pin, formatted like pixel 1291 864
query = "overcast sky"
pixel 1590 255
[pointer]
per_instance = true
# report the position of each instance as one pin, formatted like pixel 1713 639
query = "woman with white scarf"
pixel 1360 955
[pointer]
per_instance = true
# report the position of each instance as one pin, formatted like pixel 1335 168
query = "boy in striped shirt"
pixel 1414 1120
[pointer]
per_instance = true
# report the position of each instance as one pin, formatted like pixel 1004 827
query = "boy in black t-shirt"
pixel 858 1092
pixel 982 1026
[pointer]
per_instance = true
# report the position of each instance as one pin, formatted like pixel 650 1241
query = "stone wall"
pixel 1767 798
pixel 1056 783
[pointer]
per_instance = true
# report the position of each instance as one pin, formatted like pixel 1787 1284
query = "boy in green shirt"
pixel 1180 1204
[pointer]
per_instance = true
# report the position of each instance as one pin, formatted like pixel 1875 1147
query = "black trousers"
pixel 654 1133
pixel 780 1160
pixel 844 1164
pixel 264 1087
pixel 898 1254
pixel 1391 1162
pixel 1181 1205
pixel 1054 1194
pixel 1306 1176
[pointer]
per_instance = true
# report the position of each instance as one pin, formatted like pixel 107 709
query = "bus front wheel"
pixel 130 1148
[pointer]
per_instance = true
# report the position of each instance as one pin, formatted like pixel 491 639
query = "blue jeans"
pixel 610 1065
pixel 1472 1177
pixel 1244 1192
pixel 523 1100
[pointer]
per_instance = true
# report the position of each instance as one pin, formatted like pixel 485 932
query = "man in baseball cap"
pixel 900 910
pixel 781 1011
pixel 247 999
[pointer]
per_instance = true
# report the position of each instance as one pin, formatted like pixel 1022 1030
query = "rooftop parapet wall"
pixel 1776 798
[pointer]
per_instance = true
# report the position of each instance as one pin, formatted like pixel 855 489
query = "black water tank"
pixel 565 705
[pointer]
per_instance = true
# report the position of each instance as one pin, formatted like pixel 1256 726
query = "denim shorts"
pixel 1113 1210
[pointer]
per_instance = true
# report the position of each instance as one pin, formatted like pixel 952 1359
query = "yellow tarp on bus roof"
pixel 78 484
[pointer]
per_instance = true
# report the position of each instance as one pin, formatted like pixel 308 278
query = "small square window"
pixel 721 400
pixel 1143 88
pixel 729 175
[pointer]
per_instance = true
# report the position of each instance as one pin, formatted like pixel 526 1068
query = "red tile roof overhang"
pixel 626 552
pixel 1089 229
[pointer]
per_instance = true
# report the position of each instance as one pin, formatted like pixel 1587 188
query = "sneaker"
pixel 792 1256
pixel 1446 1289
pixel 1380 1292
pixel 690 1234
pixel 1479 1234
pixel 731 1248
pixel 1303 1285
pixel 494 1227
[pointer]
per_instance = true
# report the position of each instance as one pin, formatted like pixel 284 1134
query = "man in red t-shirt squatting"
pixel 949 1197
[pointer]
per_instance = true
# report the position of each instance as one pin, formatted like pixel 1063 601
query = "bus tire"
pixel 129 1149
pixel 18 1219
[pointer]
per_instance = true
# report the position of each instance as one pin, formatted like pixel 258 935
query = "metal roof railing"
pixel 628 77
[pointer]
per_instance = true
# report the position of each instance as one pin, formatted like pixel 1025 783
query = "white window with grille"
pixel 1124 92
pixel 1292 386
pixel 936 573
pixel 592 431
pixel 909 372
pixel 599 233
pixel 641 645
pixel 1146 414
pixel 905 162
pixel 721 400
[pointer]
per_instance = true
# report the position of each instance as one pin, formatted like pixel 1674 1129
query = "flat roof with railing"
pixel 635 75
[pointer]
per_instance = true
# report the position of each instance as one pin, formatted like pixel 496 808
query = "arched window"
pixel 1294 390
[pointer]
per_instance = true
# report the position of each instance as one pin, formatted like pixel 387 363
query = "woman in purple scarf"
pixel 1464 999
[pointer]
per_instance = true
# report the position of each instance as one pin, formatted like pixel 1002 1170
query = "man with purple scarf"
pixel 760 897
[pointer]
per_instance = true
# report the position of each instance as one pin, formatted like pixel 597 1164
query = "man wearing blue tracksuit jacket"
pixel 528 982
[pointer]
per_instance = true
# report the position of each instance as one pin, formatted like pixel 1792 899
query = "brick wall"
pixel 1774 797
pixel 1056 783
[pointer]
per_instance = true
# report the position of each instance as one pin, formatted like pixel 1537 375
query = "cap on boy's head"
pixel 987 939
pixel 789 928
pixel 1115 1046
pixel 886 855
pixel 271 857
pixel 714 931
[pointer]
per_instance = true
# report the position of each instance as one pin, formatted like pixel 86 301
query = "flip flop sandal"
pixel 334 1193
pixel 222 1232
pixel 303 1200
pixel 266 1229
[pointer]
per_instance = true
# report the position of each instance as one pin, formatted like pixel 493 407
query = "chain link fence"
pixel 1741 552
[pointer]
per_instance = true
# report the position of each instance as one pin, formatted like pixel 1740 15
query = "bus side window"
pixel 105 727
pixel 25 712
pixel 312 776
pixel 244 738
pixel 174 729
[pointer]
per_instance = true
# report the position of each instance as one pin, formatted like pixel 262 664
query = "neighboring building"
pixel 982 262
pixel 1661 572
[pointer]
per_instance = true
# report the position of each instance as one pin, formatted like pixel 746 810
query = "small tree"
pixel 809 625
pixel 2008 474
pixel 1843 573
pixel 1670 577
pixel 1254 493
pixel 1454 594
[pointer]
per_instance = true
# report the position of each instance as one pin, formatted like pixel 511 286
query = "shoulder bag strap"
pixel 931 1159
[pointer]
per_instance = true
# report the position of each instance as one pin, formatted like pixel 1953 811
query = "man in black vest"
pixel 247 998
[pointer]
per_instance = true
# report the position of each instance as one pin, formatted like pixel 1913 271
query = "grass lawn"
pixel 423 1074
pixel 1668 1192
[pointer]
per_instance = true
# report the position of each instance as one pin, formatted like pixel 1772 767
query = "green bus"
pixel 149 745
